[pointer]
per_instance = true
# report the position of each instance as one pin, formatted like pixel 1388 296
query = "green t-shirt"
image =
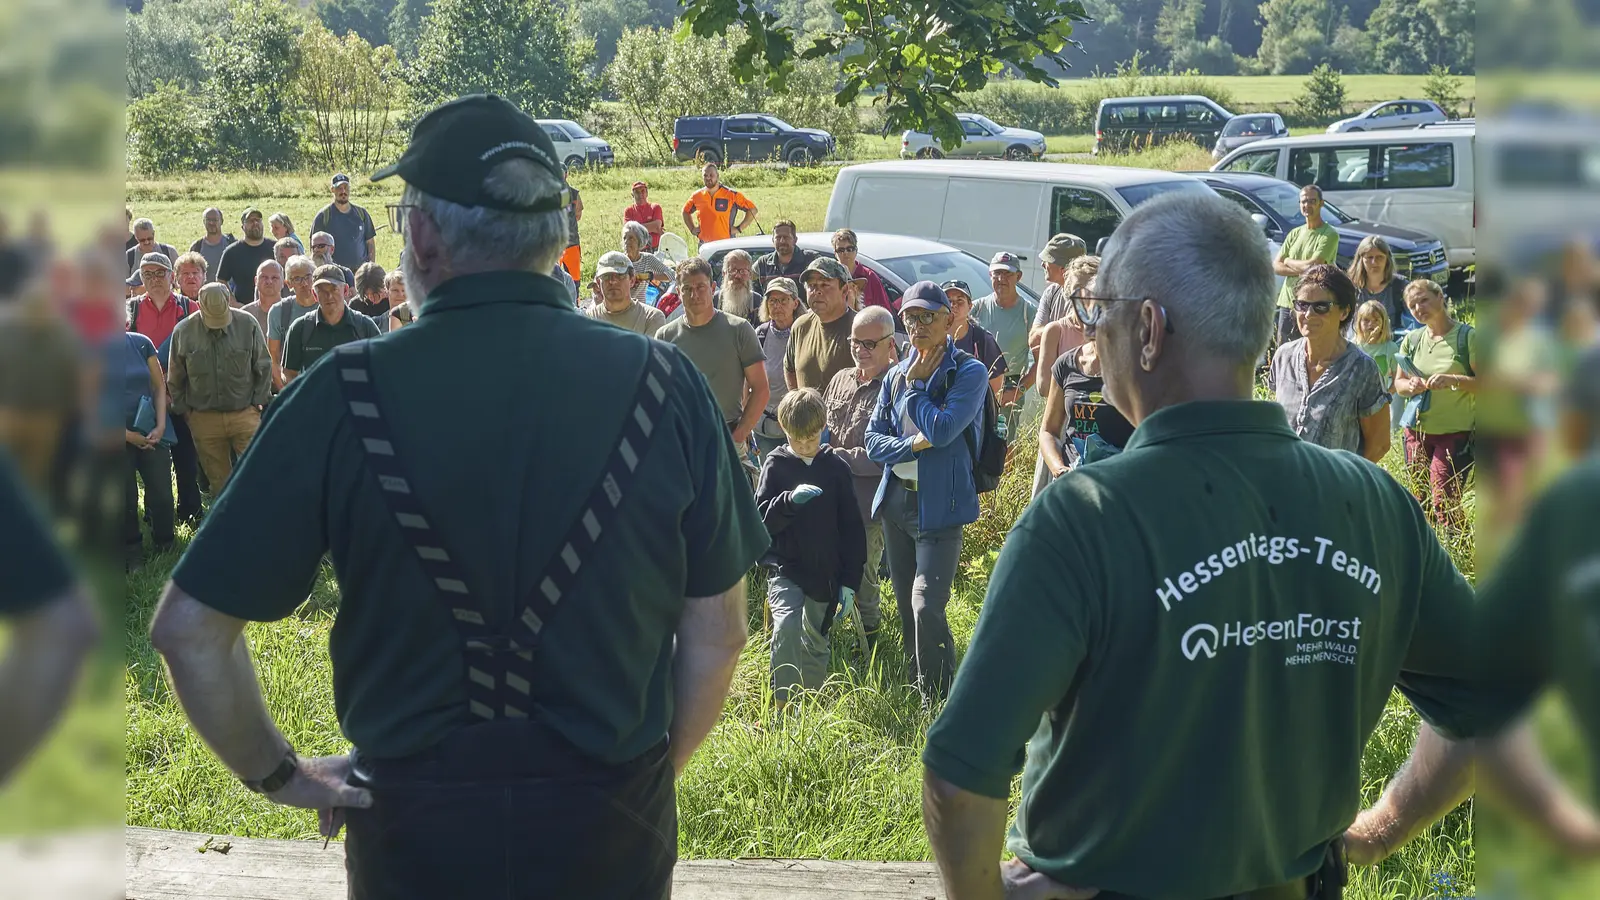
pixel 1539 610
pixel 1384 355
pixel 721 349
pixel 502 479
pixel 1448 411
pixel 311 337
pixel 1305 242
pixel 1192 632
pixel 36 569
pixel 1010 329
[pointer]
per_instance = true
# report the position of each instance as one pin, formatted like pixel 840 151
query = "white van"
pixel 576 147
pixel 986 207
pixel 1420 178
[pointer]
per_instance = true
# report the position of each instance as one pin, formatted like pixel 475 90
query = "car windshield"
pixel 947 266
pixel 985 122
pixel 1248 126
pixel 1136 194
pixel 1284 199
pixel 576 130
pixel 785 126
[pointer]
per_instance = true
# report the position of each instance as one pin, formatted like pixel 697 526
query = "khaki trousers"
pixel 218 436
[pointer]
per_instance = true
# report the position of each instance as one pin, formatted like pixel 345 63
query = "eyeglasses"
pixel 1091 310
pixel 296 279
pixel 397 216
pixel 1321 307
pixel 867 345
pixel 152 274
pixel 322 246
pixel 848 248
pixel 919 316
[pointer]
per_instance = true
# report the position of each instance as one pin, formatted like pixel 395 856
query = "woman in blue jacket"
pixel 924 433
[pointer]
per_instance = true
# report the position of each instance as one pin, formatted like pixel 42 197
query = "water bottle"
pixel 1000 427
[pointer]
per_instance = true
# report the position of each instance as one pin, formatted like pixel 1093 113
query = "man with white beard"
pixel 737 295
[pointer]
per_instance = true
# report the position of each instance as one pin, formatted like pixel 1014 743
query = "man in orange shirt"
pixel 716 203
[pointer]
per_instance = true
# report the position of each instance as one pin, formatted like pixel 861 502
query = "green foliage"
pixel 367 18
pixel 166 42
pixel 167 131
pixel 349 91
pixel 1443 89
pixel 1412 37
pixel 1212 56
pixel 1323 97
pixel 658 78
pixel 1022 104
pixel 251 85
pixel 1296 34
pixel 605 20
pixel 524 50
pixel 921 55
pixel 1352 50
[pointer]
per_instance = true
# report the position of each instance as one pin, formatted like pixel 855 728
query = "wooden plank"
pixel 167 865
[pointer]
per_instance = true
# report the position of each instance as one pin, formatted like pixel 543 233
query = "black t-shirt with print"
pixel 1087 411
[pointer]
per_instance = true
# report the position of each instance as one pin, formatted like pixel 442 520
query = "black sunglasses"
pixel 1320 307
pixel 1091 315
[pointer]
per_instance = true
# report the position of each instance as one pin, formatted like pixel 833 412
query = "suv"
pixel 982 137
pixel 1126 123
pixel 576 147
pixel 1247 128
pixel 748 138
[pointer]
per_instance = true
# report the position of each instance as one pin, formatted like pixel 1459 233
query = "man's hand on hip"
pixel 320 783
pixel 1023 883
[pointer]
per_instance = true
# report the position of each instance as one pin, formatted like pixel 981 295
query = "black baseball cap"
pixel 456 144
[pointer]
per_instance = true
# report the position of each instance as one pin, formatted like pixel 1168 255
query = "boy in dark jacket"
pixel 807 500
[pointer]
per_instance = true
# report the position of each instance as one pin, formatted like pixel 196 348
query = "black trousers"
pixel 154 468
pixel 508 810
pixel 185 467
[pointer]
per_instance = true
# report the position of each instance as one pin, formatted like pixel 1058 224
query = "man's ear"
pixel 1152 334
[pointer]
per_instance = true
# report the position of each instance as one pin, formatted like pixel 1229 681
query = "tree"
pixel 923 55
pixel 1443 89
pixel 251 85
pixel 349 89
pixel 524 50
pixel 167 131
pixel 368 18
pixel 1409 37
pixel 605 20
pixel 1296 34
pixel 1178 26
pixel 1323 97
pixel 166 42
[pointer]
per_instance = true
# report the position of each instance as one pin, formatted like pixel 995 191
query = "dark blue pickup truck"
pixel 748 138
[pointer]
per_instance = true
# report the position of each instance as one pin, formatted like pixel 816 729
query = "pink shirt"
pixel 873 294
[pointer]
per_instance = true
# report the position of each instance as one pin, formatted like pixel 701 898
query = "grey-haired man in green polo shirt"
pixel 510 739
pixel 1185 647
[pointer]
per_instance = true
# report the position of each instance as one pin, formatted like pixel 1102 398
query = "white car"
pixel 576 147
pixel 1392 114
pixel 982 137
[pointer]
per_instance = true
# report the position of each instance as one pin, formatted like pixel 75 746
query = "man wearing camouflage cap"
pixel 488 536
pixel 614 271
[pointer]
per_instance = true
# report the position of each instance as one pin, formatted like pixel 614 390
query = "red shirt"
pixel 642 213
pixel 873 294
pixel 157 324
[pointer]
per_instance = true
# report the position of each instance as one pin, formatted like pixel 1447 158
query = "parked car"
pixel 899 261
pixel 1541 185
pixel 982 138
pixel 576 147
pixel 1419 178
pixel 748 138
pixel 1391 114
pixel 985 207
pixel 1124 123
pixel 1247 128
pixel 1275 203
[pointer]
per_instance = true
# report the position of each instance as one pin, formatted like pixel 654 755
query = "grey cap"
pixel 783 284
pixel 829 267
pixel 1063 248
pixel 1004 262
pixel 155 258
pixel 614 263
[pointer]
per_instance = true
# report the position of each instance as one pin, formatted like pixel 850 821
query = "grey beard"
pixel 416 296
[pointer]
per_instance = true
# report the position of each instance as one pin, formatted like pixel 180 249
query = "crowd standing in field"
pixel 772 415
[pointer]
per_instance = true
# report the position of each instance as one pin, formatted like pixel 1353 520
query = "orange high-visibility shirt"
pixel 716 211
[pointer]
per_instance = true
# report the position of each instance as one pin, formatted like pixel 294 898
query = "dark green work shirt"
pixel 502 456
pixel 1194 639
pixel 310 337
pixel 1539 612
pixel 36 570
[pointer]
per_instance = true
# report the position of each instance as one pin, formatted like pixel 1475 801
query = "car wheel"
pixel 798 156
pixel 1018 152
pixel 931 153
pixel 711 156
pixel 573 162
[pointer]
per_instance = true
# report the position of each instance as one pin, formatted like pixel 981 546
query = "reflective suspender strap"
pixel 499 662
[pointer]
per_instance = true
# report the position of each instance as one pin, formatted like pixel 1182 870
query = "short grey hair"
pixel 299 262
pixel 268 264
pixel 323 234
pixel 1206 262
pixel 477 235
pixel 637 232
pixel 286 243
pixel 144 225
pixel 876 315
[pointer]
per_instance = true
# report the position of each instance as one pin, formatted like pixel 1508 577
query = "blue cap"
pixel 925 295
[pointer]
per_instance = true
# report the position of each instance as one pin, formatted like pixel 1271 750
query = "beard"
pixel 416 294
pixel 733 298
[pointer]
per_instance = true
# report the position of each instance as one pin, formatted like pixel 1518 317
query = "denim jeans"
pixel 922 567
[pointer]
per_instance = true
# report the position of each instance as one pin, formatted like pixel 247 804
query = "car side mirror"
pixel 1100 246
pixel 1262 220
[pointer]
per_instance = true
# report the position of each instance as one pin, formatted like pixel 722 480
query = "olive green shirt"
pixel 1193 640
pixel 1304 242
pixel 218 370
pixel 1539 611
pixel 1449 411
pixel 502 479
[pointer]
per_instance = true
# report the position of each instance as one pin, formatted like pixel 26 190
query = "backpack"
pixel 185 307
pixel 989 456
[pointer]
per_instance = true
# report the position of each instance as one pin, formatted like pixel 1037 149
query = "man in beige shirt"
pixel 851 397
pixel 614 271
pixel 219 377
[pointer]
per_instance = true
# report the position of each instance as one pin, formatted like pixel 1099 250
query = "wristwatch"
pixel 279 777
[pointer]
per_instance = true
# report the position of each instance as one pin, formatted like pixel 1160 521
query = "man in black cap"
pixel 244 257
pixel 355 238
pixel 464 523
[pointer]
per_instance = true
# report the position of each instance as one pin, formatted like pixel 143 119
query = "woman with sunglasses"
pixel 1076 414
pixel 1330 390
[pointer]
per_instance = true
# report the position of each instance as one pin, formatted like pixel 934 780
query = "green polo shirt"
pixel 311 337
pixel 1305 242
pixel 502 479
pixel 1193 640
pixel 1539 611
pixel 36 569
